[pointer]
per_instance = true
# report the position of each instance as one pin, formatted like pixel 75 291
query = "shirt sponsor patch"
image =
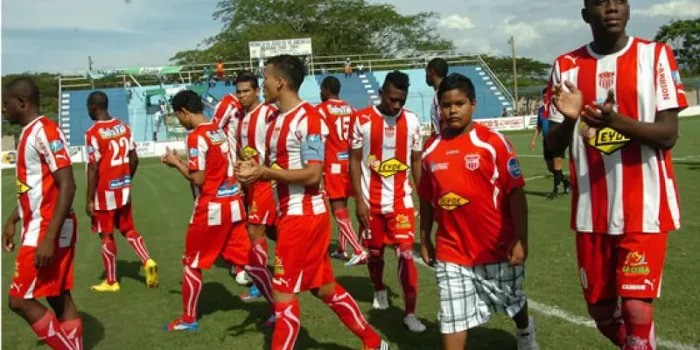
pixel 313 149
pixel 227 190
pixel 193 152
pixel 56 145
pixel 120 182
pixel 389 167
pixel 435 167
pixel 217 137
pixel 606 140
pixel 22 188
pixel 451 201
pixel 249 152
pixel 514 167
pixel 343 156
pixel 676 77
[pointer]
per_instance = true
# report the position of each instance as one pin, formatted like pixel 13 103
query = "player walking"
pixel 386 145
pixel 295 148
pixel 112 163
pixel 45 190
pixel 339 117
pixel 616 102
pixel 435 72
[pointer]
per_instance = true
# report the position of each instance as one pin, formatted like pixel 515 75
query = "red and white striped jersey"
pixel 286 135
pixel 227 115
pixel 435 114
pixel 252 131
pixel 42 150
pixel 208 150
pixel 387 143
pixel 619 185
pixel 108 144
pixel 339 117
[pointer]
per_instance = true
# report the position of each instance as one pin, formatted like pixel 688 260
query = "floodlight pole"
pixel 511 41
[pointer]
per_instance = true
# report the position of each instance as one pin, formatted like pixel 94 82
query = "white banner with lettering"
pixel 269 48
pixel 505 123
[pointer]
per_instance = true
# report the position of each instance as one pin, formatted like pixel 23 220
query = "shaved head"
pixel 24 89
pixel 98 99
pixel 20 101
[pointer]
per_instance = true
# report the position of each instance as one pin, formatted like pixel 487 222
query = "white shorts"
pixel 468 294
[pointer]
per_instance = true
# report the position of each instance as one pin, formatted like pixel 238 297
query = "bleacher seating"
pixel 79 120
pixel 352 90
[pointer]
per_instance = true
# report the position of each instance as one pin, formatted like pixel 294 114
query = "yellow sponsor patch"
pixel 22 188
pixel 606 140
pixel 389 167
pixel 249 152
pixel 452 201
pixel 276 167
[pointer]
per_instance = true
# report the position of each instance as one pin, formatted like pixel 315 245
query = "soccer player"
pixel 616 102
pixel 435 72
pixel 295 154
pixel 554 161
pixel 45 190
pixel 339 117
pixel 386 145
pixel 259 197
pixel 472 186
pixel 218 211
pixel 112 163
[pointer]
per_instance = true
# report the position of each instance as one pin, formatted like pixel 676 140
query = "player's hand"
pixel 90 208
pixel 8 237
pixel 170 158
pixel 248 171
pixel 362 212
pixel 603 114
pixel 568 103
pixel 427 252
pixel 517 254
pixel 532 145
pixel 44 253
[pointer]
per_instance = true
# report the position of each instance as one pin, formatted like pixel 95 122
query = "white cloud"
pixel 456 22
pixel 525 34
pixel 672 8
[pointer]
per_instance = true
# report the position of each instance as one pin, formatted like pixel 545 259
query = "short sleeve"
pixel 425 185
pixel 225 110
pixel 312 133
pixel 132 142
pixel 670 93
pixel 550 111
pixel 358 136
pixel 93 148
pixel 51 144
pixel 197 148
pixel 416 138
pixel 507 163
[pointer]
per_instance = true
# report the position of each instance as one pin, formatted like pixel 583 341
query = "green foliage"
pixel 337 27
pixel 684 37
pixel 48 89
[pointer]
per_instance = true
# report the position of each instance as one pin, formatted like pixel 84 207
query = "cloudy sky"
pixel 49 35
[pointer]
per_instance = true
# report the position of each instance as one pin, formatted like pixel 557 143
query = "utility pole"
pixel 511 41
pixel 92 82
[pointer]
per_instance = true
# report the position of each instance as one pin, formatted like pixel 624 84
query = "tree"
pixel 48 91
pixel 337 27
pixel 684 38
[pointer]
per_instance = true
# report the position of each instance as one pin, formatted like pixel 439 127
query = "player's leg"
pixel 400 229
pixel 457 296
pixel 135 240
pixel 640 259
pixel 503 285
pixel 103 224
pixel 261 216
pixel 237 251
pixel 342 217
pixel 67 314
pixel 374 241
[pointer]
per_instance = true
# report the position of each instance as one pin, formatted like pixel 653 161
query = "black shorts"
pixel 549 155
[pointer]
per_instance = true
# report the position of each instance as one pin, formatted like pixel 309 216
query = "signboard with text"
pixel 269 48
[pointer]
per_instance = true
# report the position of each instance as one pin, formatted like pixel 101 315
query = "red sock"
pixel 349 313
pixel 287 325
pixel 408 276
pixel 608 320
pixel 74 331
pixel 109 258
pixel 342 242
pixel 136 242
pixel 49 330
pixel 376 268
pixel 346 231
pixel 639 321
pixel 257 268
pixel 191 287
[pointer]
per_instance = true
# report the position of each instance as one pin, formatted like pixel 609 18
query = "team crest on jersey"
pixel 113 132
pixel 451 201
pixel 606 80
pixel 606 140
pixel 389 167
pixel 249 152
pixel 217 137
pixel 402 222
pixel 389 131
pixel 471 161
pixel 22 188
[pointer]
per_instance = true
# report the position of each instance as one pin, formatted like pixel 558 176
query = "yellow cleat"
pixel 151 269
pixel 105 287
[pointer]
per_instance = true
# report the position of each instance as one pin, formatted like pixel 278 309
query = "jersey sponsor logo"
pixel 663 82
pixel 227 190
pixel 676 77
pixel 56 145
pixel 389 167
pixel 389 131
pixel 249 152
pixel 606 140
pixel 635 264
pixel 472 161
pixel 403 222
pixel 217 137
pixel 113 132
pixel 634 287
pixel 22 188
pixel 451 201
pixel 435 167
pixel 279 267
pixel 276 167
pixel 193 152
pixel 343 156
pixel 452 152
pixel 606 80
pixel 514 167
pixel 313 138
pixel 120 182
pixel 340 110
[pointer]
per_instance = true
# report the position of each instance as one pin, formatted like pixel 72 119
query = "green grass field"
pixel 133 317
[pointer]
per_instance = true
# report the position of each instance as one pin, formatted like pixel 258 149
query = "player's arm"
pixel 93 178
pixel 309 175
pixel 518 209
pixel 356 172
pixel 195 177
pixel 133 162
pixel 562 107
pixel 8 234
pixel 512 183
pixel 66 191
pixel 427 216
pixel 415 166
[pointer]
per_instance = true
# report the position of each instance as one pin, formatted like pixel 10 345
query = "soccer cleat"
pixel 271 321
pixel 567 186
pixel 151 269
pixel 356 259
pixel 381 301
pixel 526 337
pixel 339 255
pixel 382 346
pixel 242 278
pixel 252 293
pixel 180 325
pixel 105 287
pixel 552 196
pixel 413 323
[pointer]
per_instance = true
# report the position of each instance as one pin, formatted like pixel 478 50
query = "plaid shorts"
pixel 468 294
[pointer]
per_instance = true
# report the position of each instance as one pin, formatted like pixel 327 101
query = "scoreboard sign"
pixel 294 47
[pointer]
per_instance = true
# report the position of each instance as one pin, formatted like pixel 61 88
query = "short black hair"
pixel 439 66
pixel 544 91
pixel 290 68
pixel 248 77
pixel 187 99
pixel 398 80
pixel 332 84
pixel 456 81
pixel 24 88
pixel 98 99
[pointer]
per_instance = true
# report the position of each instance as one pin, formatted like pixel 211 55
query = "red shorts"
pixel 628 266
pixel 336 181
pixel 104 221
pixel 50 281
pixel 390 229
pixel 260 201
pixel 237 247
pixel 209 232
pixel 301 254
